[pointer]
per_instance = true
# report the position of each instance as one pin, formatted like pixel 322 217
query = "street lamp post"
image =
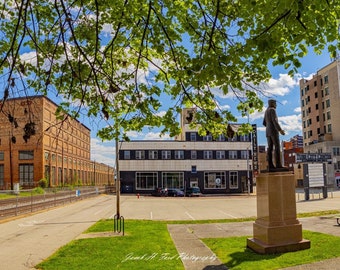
pixel 117 181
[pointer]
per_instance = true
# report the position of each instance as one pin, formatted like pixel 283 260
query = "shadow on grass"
pixel 248 256
pixel 215 267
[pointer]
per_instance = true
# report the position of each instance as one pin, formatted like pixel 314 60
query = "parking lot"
pixel 212 207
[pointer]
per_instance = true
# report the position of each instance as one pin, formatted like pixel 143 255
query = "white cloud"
pixel 103 152
pixel 257 115
pixel 291 122
pixel 297 109
pixel 281 86
pixel 134 134
pixel 156 136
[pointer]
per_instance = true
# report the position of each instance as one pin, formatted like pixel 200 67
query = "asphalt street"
pixel 26 241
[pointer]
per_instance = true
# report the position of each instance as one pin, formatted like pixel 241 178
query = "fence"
pixel 31 202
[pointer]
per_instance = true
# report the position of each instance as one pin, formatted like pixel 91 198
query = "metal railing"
pixel 19 205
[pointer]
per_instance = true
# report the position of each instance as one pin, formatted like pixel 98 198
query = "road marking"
pixel 224 213
pixel 101 210
pixel 30 223
pixel 190 216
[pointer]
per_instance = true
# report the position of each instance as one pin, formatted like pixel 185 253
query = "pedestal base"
pixel 276 229
pixel 263 248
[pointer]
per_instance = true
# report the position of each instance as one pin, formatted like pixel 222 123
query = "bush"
pixel 39 190
pixel 42 183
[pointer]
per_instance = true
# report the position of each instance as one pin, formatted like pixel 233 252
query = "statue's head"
pixel 272 103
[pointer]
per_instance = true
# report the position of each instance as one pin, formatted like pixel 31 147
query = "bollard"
pixel 137 195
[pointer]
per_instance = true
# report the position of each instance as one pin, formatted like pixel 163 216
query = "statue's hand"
pixel 282 132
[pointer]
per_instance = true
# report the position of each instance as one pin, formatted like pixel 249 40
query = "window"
pixel 2 155
pixel 316 106
pixel 220 138
pixel 26 155
pixel 244 154
pixel 127 155
pixel 26 174
pixel 233 154
pixel 140 154
pixel 328 115
pixel 326 91
pixel 193 154
pixel 309 122
pixel 207 138
pixel 328 103
pixel 2 175
pixel 207 154
pixel 336 151
pixel 302 92
pixel 302 102
pixel 173 179
pixel 233 182
pixel 153 154
pixel 193 169
pixel 329 128
pixel 179 154
pixel 233 139
pixel 166 154
pixel 214 180
pixel 146 180
pixel 193 136
pixel 325 79
pixel 244 138
pixel 220 154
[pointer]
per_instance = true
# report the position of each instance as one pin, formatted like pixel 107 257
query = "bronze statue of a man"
pixel 273 129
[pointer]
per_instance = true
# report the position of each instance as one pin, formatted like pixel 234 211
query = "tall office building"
pixel 320 108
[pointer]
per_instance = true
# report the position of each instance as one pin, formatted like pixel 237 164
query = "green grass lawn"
pixel 148 245
pixel 232 252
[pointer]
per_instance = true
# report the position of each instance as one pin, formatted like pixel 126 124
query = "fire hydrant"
pixel 137 195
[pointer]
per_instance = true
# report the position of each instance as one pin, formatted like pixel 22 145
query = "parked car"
pixel 160 192
pixel 193 191
pixel 175 192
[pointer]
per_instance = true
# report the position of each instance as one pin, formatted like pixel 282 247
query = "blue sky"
pixel 281 87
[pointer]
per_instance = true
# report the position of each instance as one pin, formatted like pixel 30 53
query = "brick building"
pixel 35 145
pixel 290 149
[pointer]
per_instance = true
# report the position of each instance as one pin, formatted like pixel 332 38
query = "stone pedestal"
pixel 276 229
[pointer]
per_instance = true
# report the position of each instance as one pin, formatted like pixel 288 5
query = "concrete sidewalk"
pixel 198 256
